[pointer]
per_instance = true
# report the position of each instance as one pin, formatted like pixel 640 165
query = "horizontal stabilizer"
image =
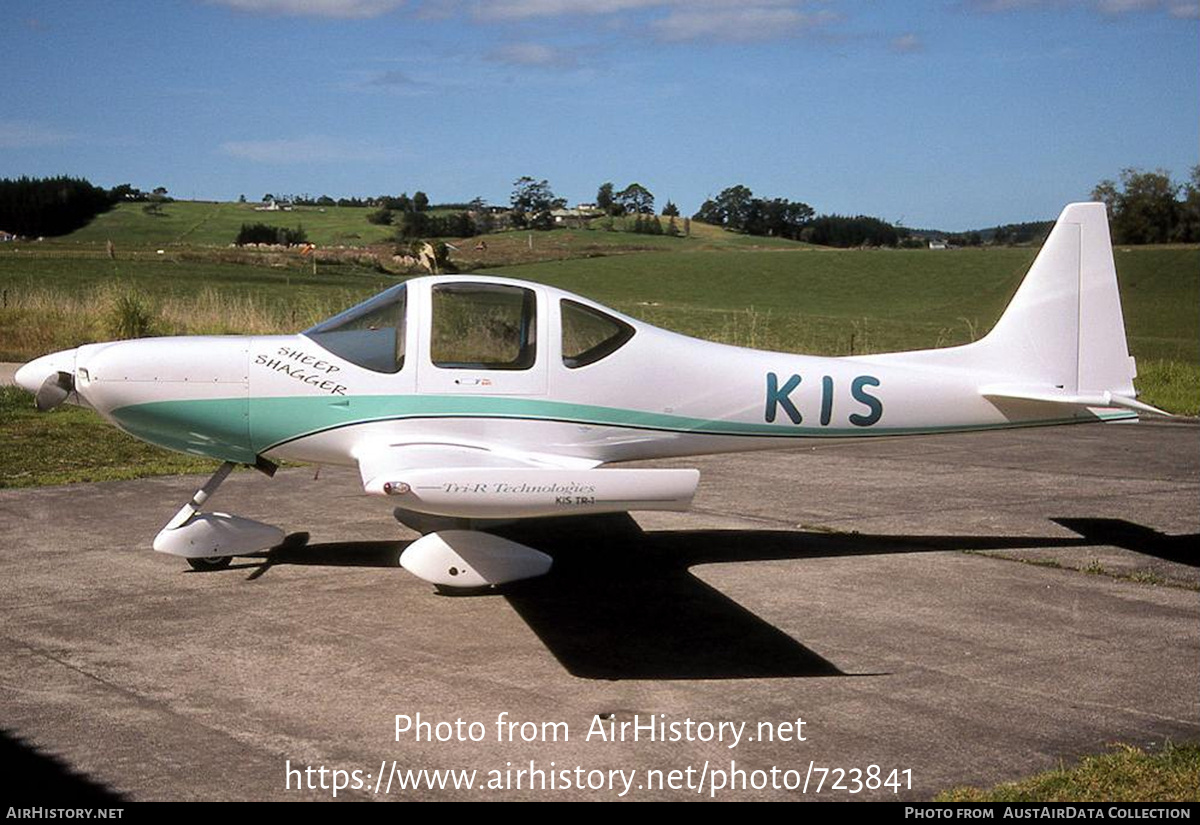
pixel 1059 396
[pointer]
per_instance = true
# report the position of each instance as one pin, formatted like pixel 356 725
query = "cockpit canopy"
pixel 482 325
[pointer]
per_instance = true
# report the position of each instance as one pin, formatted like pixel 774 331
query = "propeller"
pixel 54 390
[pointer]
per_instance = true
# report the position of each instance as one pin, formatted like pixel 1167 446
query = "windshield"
pixel 370 334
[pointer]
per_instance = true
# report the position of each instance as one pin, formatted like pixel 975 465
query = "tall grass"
pixel 38 320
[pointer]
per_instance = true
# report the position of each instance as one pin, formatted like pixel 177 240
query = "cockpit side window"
pixel 589 334
pixel 370 334
pixel 483 326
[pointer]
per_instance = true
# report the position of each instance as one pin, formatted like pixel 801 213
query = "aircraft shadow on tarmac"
pixel 37 776
pixel 620 603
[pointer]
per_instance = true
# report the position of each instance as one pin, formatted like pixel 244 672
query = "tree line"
pixel 1149 207
pixel 736 208
pixel 37 207
pixel 1143 207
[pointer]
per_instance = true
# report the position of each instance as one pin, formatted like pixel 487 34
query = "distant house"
pixel 579 213
pixel 937 243
pixel 6 236
pixel 274 206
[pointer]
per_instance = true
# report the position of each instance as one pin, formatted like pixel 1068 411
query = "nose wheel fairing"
pixel 193 534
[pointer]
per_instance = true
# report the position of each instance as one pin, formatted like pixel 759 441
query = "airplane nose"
pixel 187 393
pixel 51 378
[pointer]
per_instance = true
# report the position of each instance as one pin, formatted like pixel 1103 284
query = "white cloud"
pixel 999 6
pixel 528 9
pixel 1186 9
pixel 907 43
pixel 1123 6
pixel 669 20
pixel 672 20
pixel 311 149
pixel 532 54
pixel 16 134
pixel 737 22
pixel 315 8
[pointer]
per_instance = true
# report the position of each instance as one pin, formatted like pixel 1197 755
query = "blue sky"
pixel 951 114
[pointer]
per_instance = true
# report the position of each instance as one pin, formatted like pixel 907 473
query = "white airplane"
pixel 472 398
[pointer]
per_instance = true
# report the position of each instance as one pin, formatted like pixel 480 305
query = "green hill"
pixel 200 223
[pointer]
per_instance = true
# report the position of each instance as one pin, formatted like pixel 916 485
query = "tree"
pixel 671 210
pixel 1144 209
pixel 736 208
pixel 1188 228
pixel 532 202
pixel 1106 192
pixel 413 225
pixel 778 217
pixel 709 213
pixel 125 192
pixel 636 198
pixel 420 202
pixel 729 209
pixel 604 198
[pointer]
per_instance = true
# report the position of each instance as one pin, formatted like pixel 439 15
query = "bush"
pixel 128 315
pixel 262 233
pixel 426 225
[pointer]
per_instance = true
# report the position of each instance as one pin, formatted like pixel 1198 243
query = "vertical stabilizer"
pixel 1062 337
pixel 1063 329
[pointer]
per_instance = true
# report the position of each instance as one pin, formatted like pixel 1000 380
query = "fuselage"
pixel 508 365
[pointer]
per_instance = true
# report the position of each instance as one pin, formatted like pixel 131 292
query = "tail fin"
pixel 1062 337
pixel 1064 326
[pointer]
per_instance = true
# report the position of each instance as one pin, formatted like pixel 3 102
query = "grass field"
pixel 71 444
pixel 1124 774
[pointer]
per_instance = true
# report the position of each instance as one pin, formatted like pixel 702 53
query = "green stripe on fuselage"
pixel 274 421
